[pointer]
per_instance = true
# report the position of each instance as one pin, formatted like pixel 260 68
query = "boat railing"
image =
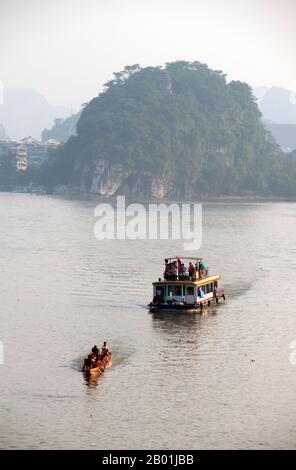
pixel 175 269
pixel 197 276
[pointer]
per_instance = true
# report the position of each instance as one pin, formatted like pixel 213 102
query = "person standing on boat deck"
pixel 174 270
pixel 197 271
pixel 191 270
pixel 203 267
pixel 182 268
pixel 180 265
pixel 167 270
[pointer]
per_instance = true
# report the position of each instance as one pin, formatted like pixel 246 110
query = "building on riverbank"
pixel 27 152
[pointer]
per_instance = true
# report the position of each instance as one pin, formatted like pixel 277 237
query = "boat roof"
pixel 199 282
pixel 183 257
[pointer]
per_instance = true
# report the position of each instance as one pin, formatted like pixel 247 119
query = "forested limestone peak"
pixel 182 125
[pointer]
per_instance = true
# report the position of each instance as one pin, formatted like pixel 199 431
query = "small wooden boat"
pixel 99 366
pixel 185 289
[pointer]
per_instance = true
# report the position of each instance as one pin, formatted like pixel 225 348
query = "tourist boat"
pixel 180 291
pixel 99 366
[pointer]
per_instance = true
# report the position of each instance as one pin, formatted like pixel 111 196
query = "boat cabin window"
pixel 175 291
pixel 159 292
pixel 208 288
pixel 190 290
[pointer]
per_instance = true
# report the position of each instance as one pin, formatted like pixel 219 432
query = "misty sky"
pixel 67 49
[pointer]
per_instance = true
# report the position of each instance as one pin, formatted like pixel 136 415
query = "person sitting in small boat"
pixel 105 351
pixel 85 364
pixel 95 350
pixel 105 348
pixel 88 363
pixel 91 357
pixel 95 361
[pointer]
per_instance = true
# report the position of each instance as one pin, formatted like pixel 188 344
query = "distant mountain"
pixel 26 112
pixel 284 134
pixel 259 92
pixel 277 104
pixel 62 128
pixel 3 135
pixel 278 107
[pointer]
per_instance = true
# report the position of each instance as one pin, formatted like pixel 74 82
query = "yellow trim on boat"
pixel 206 280
pixel 199 282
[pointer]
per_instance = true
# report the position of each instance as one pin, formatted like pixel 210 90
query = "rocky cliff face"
pixel 109 180
pixel 106 180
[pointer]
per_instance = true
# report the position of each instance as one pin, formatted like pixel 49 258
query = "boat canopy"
pixel 189 258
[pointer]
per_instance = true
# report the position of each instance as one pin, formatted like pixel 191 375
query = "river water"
pixel 223 379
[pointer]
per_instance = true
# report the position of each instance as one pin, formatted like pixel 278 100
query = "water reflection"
pixel 92 380
pixel 173 322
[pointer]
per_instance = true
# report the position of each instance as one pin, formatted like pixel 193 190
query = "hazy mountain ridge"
pixel 284 134
pixel 278 107
pixel 62 128
pixel 25 112
pixel 277 104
